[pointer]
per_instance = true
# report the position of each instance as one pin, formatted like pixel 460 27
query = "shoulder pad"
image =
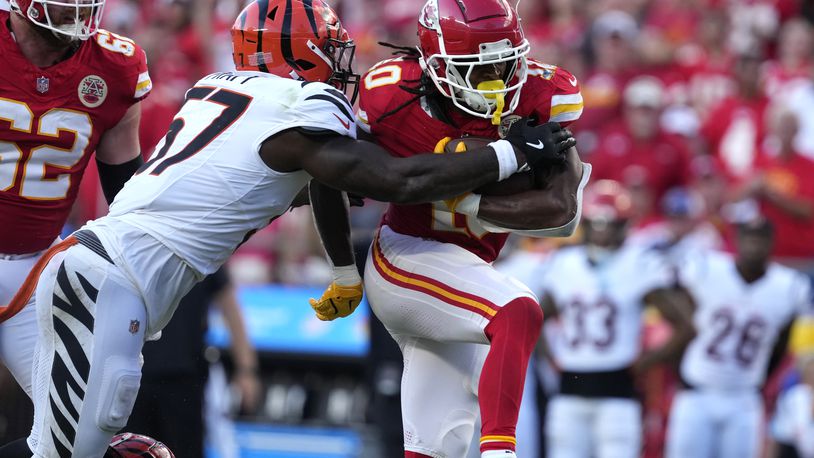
pixel 560 87
pixel 128 59
pixel 322 106
pixel 380 89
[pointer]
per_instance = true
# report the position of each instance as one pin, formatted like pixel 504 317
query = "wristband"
pixel 506 159
pixel 346 275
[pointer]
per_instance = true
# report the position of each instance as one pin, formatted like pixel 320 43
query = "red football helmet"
pixel 129 445
pixel 455 36
pixel 607 201
pixel 76 19
pixel 606 210
pixel 300 39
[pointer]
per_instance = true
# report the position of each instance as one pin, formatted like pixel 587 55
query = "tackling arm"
pixel 118 154
pixel 367 169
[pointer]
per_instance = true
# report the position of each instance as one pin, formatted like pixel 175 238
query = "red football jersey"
pixel 550 94
pixel 51 120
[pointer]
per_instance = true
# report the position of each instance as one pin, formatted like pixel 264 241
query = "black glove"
pixel 543 144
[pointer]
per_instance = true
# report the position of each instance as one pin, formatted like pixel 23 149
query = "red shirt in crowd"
pixel 733 131
pixel 790 177
pixel 660 163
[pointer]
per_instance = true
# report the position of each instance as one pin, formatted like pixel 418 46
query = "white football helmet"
pixel 76 19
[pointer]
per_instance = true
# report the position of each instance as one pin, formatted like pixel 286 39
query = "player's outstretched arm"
pixel 367 169
pixel 553 206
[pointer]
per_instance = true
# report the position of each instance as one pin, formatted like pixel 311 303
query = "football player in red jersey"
pixel 466 331
pixel 67 89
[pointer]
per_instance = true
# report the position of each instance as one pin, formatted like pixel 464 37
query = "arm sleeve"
pixel 113 177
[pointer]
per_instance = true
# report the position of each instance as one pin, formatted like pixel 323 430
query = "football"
pixel 517 183
pixel 130 445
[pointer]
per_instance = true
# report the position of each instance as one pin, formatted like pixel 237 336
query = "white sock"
pixel 498 454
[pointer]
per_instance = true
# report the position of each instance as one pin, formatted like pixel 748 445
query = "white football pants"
pixel 579 427
pixel 714 424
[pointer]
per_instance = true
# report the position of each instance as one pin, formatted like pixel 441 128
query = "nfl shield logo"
pixel 43 84
pixel 134 325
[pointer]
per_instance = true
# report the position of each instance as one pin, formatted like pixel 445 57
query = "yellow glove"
pixel 337 301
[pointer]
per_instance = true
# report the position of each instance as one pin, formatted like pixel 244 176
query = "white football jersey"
pixel 600 306
pixel 737 322
pixel 206 189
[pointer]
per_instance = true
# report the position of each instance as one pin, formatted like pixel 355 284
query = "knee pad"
pixel 120 384
pixel 521 313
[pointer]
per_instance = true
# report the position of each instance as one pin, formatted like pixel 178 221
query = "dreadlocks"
pixel 423 87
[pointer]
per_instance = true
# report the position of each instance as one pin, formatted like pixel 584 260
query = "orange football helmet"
pixel 299 39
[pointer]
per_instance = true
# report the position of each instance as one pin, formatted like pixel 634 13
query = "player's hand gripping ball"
pixel 337 301
pixel 517 183
pixel 129 445
pixel 542 144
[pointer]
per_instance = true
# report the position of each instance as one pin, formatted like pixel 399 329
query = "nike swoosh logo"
pixel 344 123
pixel 538 145
pixel 573 80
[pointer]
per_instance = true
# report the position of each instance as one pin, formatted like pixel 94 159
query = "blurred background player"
pixel 67 89
pixel 597 292
pixel 235 157
pixel 466 331
pixel 745 305
pixel 792 426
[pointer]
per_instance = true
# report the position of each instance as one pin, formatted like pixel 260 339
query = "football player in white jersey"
pixel 743 303
pixel 597 292
pixel 240 149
